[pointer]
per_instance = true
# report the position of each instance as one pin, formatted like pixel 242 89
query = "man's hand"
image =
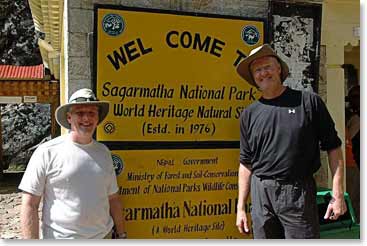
pixel 337 204
pixel 241 222
pixel 335 208
pixel 244 181
pixel 116 213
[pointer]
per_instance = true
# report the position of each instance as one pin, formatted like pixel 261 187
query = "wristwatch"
pixel 121 235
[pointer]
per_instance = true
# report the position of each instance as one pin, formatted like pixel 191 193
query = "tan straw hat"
pixel 81 97
pixel 243 68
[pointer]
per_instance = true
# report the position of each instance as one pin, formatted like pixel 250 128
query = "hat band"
pixel 83 99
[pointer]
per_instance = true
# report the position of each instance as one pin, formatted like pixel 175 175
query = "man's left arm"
pixel 116 213
pixel 337 204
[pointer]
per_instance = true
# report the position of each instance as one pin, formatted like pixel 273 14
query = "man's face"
pixel 83 119
pixel 266 72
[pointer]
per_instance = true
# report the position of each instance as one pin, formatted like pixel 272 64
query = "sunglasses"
pixel 84 99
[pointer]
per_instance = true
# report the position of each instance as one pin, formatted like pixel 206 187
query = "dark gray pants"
pixel 284 209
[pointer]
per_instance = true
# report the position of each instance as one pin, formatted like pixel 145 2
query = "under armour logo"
pixel 291 111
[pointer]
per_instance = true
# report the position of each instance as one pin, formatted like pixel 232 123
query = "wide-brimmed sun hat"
pixel 81 97
pixel 243 68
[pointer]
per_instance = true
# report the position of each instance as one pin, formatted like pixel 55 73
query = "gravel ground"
pixel 9 214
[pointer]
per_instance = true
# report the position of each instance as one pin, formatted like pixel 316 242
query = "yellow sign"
pixel 172 77
pixel 179 194
pixel 171 81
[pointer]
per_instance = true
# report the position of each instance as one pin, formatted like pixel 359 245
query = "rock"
pixel 18 39
pixel 24 126
pixel 10 200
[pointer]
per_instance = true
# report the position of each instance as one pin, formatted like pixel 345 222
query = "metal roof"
pixel 10 72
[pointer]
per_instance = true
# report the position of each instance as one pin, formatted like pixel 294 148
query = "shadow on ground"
pixel 10 181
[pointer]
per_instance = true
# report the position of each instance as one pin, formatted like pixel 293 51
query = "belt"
pixel 281 180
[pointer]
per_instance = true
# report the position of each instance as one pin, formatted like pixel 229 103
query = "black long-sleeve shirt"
pixel 281 137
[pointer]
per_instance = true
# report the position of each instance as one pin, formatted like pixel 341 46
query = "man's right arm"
pixel 244 182
pixel 29 216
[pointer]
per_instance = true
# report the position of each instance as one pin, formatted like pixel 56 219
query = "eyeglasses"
pixel 84 99
pixel 89 114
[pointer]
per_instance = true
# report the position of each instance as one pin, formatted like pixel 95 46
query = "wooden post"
pixel 54 103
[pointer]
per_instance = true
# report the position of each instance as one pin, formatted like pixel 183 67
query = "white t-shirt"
pixel 75 181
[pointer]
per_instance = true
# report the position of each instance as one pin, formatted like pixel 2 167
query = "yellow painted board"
pixel 179 193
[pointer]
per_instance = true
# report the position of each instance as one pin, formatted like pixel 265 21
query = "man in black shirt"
pixel 280 141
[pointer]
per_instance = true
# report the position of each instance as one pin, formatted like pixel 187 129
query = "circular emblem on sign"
pixel 118 164
pixel 250 35
pixel 109 127
pixel 113 24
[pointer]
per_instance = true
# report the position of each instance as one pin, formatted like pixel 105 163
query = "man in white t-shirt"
pixel 74 175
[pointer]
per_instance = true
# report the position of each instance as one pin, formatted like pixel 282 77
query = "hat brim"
pixel 61 111
pixel 243 68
